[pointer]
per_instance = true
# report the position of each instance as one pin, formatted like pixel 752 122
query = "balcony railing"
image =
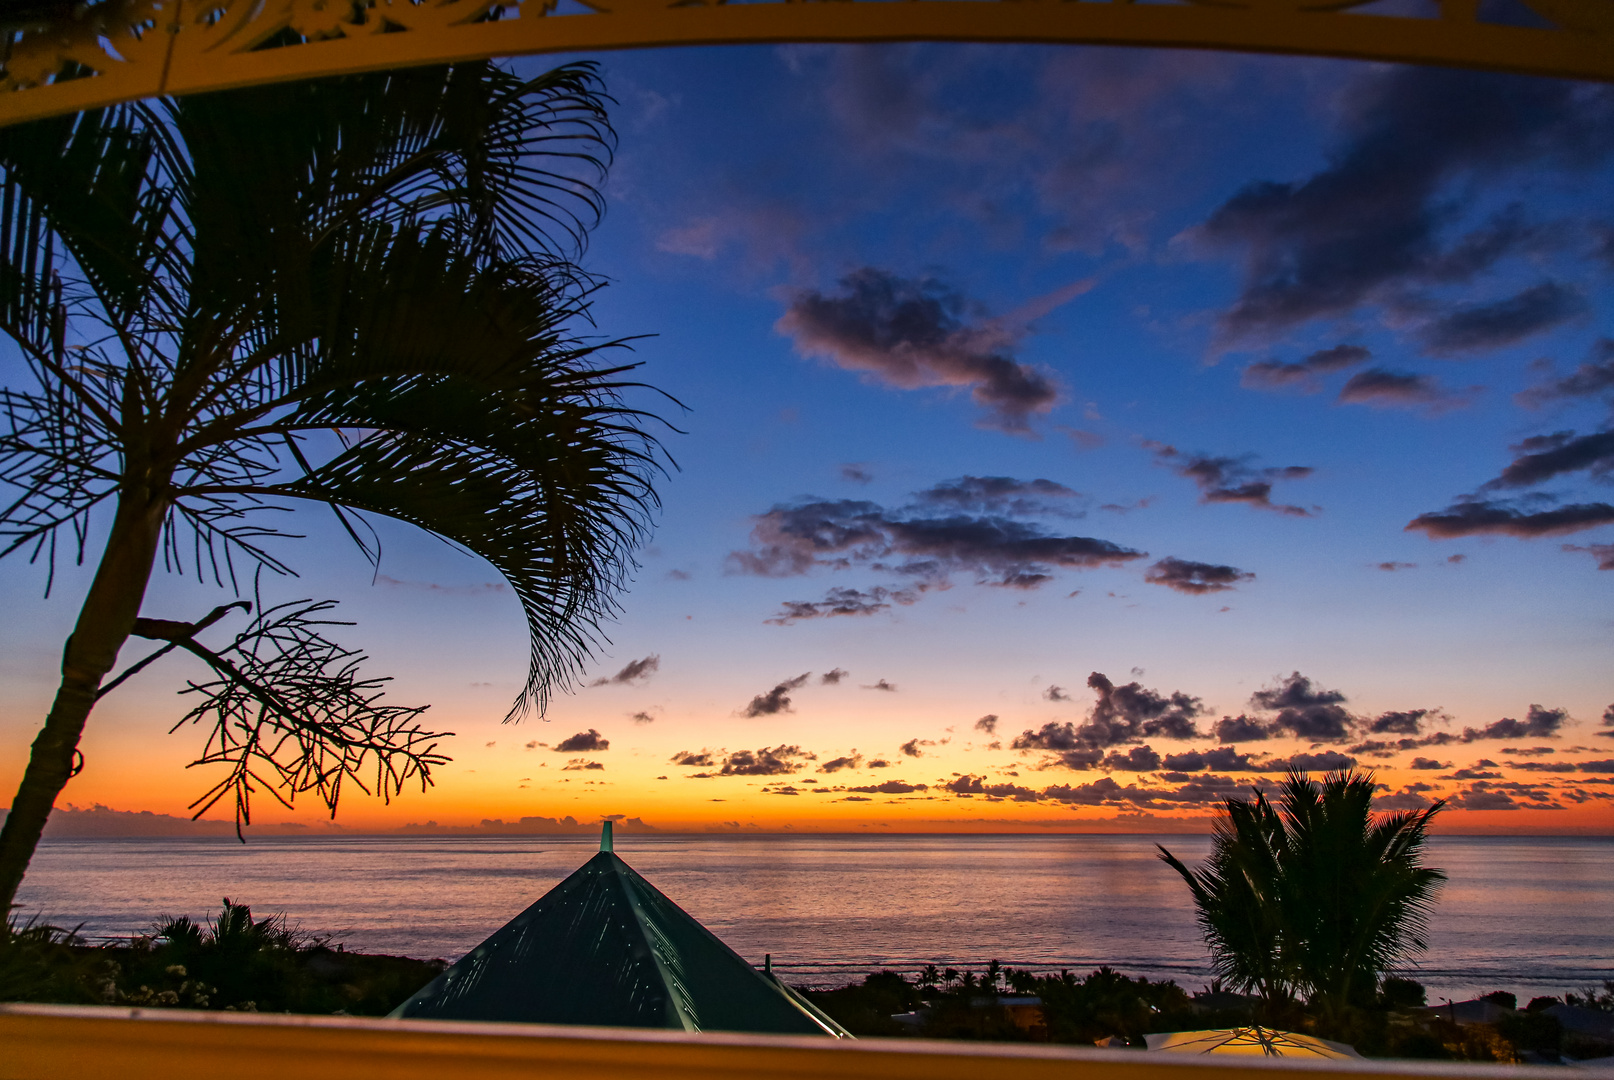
pixel 56 1042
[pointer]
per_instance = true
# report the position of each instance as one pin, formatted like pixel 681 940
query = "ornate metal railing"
pixel 45 1042
pixel 64 55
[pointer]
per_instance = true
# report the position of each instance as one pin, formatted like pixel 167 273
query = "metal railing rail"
pixel 53 1042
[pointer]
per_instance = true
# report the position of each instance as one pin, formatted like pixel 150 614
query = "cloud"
pixel 580 765
pixel 768 761
pixel 790 540
pixel 1230 480
pixel 1470 328
pixel 1305 711
pixel 1137 759
pixel 1425 764
pixel 776 700
pixel 1236 729
pixel 642 718
pixel 1055 693
pixel 1368 227
pixel 879 763
pixel 583 742
pixel 1538 723
pixel 842 601
pixel 1386 389
pixel 881 684
pixel 1406 722
pixel 1392 567
pixel 911 747
pixel 1196 578
pixel 1402 800
pixel 856 474
pixel 833 677
pixel 1327 761
pixel 913 333
pixel 1544 457
pixel 689 758
pixel 1482 800
pixel 1122 714
pixel 977 785
pixel 1498 517
pixel 1603 553
pixel 852 761
pixel 635 673
pixel 989 723
pixel 998 495
pixel 1594 378
pixel 890 787
pixel 1223 758
pixel 1277 375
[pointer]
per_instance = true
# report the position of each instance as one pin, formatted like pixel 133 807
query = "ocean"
pixel 1528 914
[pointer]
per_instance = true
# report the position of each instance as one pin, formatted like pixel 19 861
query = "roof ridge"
pixel 661 953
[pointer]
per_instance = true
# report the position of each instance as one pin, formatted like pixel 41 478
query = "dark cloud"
pixel 989 723
pixel 1327 761
pixel 1383 388
pixel 1231 480
pixel 1305 711
pixel 580 765
pixel 1402 800
pixel 913 333
pixel 702 760
pixel 1603 765
pixel 1544 457
pixel 1538 723
pixel 1408 722
pixel 890 787
pixel 1367 228
pixel 911 748
pixel 999 495
pixel 856 474
pixel 791 540
pixel 881 684
pixel 583 742
pixel 1603 553
pixel 1137 759
pixel 1122 714
pixel 776 700
pixel 1499 517
pixel 768 761
pixel 1482 800
pixel 1237 729
pixel 1529 751
pixel 837 764
pixel 1196 578
pixel 977 785
pixel 833 677
pixel 1055 693
pixel 1594 378
pixel 642 718
pixel 1223 758
pixel 1392 567
pixel 1426 763
pixel 840 601
pixel 637 671
pixel 1543 766
pixel 879 763
pixel 1277 375
pixel 1470 328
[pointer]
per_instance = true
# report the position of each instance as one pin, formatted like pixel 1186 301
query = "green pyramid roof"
pixel 606 947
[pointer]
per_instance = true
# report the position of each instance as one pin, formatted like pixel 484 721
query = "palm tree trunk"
pixel 104 624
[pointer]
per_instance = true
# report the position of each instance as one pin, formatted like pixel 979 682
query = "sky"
pixel 1066 439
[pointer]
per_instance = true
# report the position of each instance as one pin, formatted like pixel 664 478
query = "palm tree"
pixel 1319 896
pixel 354 292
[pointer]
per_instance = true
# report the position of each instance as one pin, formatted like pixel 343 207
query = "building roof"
pixel 606 947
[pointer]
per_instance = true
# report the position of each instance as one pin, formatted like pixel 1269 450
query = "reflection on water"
pixel 1531 915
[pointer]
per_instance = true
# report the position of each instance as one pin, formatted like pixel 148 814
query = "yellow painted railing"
pixel 48 1042
pixel 106 51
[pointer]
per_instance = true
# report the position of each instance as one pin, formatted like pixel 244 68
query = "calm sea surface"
pixel 1530 915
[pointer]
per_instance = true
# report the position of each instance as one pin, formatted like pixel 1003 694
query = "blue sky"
pixel 1005 366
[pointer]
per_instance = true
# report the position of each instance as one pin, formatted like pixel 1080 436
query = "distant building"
pixel 605 947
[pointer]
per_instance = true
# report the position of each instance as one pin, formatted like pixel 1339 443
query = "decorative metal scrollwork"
pixel 62 55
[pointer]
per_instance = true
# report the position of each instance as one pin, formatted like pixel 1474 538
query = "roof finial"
pixel 605 837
